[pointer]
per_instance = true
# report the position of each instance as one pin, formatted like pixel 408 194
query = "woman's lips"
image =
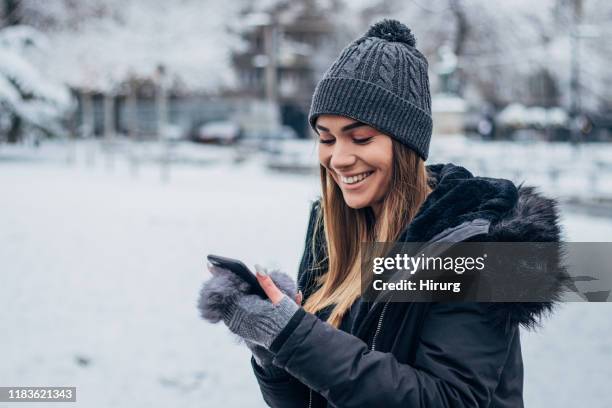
pixel 352 183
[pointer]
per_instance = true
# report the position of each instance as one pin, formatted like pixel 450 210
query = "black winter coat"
pixel 461 354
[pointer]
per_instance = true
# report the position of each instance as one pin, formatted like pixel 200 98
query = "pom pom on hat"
pixel 392 30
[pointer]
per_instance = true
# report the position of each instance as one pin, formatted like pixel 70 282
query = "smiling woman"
pixel 358 166
pixel 372 112
pixel 358 157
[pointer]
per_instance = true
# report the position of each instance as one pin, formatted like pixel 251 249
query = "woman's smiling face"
pixel 358 157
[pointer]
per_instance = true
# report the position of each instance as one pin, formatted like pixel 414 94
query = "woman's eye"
pixel 326 141
pixel 363 141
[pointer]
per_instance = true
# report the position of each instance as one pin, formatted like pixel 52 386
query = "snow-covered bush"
pixel 518 116
pixel 28 98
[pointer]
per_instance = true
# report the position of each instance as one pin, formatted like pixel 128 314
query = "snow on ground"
pixel 101 267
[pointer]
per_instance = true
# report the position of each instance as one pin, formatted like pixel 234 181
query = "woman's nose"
pixel 342 156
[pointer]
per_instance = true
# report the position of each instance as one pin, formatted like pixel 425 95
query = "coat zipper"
pixel 310 398
pixel 379 325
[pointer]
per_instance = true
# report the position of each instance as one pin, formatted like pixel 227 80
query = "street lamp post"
pixel 132 110
pixel 267 118
pixel 162 122
pixel 575 72
pixel 109 127
pixel 270 47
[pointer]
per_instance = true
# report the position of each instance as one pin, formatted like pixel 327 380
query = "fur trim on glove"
pixel 224 288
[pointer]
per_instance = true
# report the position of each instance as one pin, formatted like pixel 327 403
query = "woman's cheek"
pixel 384 183
pixel 324 155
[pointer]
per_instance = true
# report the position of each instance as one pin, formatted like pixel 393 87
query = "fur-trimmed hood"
pixel 516 214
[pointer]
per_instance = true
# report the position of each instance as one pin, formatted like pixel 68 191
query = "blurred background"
pixel 137 136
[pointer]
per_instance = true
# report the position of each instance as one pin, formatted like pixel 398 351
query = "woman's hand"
pixel 225 288
pixel 274 293
pixel 227 297
pixel 259 320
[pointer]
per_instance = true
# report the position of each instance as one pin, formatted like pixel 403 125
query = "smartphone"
pixel 239 269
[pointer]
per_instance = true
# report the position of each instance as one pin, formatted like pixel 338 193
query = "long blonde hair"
pixel 345 228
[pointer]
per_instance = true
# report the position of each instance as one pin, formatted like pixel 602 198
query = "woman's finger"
pixel 268 285
pixel 298 298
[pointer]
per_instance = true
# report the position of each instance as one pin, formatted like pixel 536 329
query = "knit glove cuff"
pixel 258 320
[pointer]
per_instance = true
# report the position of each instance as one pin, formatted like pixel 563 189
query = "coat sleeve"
pixel 279 388
pixel 458 362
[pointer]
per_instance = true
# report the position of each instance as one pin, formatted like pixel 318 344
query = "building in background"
pixel 286 46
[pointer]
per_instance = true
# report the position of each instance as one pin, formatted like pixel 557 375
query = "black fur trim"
pixel 534 218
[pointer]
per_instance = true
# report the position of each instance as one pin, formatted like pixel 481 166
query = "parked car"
pixel 294 156
pixel 270 141
pixel 220 132
pixel 173 133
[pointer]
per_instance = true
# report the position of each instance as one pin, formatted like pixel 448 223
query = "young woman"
pixel 327 346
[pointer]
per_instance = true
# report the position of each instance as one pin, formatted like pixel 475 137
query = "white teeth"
pixel 355 179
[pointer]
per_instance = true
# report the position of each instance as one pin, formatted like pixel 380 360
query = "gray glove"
pixel 224 297
pixel 259 320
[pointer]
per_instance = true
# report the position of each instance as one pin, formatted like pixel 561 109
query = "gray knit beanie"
pixel 380 79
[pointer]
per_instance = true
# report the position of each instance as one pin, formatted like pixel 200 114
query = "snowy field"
pixel 102 261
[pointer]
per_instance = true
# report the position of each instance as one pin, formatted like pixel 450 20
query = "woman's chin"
pixel 355 201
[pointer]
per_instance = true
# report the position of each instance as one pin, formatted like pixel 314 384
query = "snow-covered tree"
pixel 506 47
pixel 28 98
pixel 99 45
